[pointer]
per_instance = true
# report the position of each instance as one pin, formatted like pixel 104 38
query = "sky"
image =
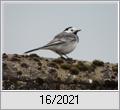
pixel 27 26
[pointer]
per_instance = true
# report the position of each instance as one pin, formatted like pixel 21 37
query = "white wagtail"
pixel 63 43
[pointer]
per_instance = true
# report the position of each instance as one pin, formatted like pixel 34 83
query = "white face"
pixel 71 30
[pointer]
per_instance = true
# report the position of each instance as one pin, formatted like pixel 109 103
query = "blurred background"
pixel 27 26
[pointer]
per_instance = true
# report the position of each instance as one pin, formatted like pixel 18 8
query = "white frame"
pixel 56 2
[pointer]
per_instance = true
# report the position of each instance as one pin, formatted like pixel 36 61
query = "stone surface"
pixel 32 72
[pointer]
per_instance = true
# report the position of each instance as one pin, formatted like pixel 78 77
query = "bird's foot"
pixel 69 59
pixel 63 58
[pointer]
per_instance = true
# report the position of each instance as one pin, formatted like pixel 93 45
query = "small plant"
pixel 15 59
pixel 115 68
pixel 81 66
pixel 4 66
pixel 66 66
pixel 85 67
pixel 53 64
pixel 39 63
pixel 59 61
pixel 4 56
pixel 19 73
pixel 52 71
pixel 92 67
pixel 24 65
pixel 74 70
pixel 34 55
pixel 98 63
pixel 36 59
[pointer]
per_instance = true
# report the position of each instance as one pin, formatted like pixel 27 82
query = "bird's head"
pixel 72 30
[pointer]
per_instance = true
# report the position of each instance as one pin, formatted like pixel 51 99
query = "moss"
pixel 34 55
pixel 4 65
pixel 53 75
pixel 59 61
pixel 52 64
pixel 113 77
pixel 98 63
pixel 74 70
pixel 92 67
pixel 36 59
pixel 52 71
pixel 39 68
pixel 81 66
pixel 39 81
pixel 17 56
pixel 4 56
pixel 34 73
pixel 46 60
pixel 24 65
pixel 85 67
pixel 19 73
pixel 110 84
pixel 115 68
pixel 65 66
pixel 15 59
pixel 39 63
pixel 25 56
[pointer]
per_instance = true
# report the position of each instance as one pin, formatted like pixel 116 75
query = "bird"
pixel 63 43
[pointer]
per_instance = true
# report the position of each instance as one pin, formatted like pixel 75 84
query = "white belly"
pixel 65 48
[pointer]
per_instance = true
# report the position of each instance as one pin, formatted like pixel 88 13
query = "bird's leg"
pixel 68 58
pixel 62 56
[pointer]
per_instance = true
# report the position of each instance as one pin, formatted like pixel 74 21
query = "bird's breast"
pixel 65 48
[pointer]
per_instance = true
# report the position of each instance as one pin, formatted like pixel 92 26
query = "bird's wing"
pixel 56 41
pixel 61 39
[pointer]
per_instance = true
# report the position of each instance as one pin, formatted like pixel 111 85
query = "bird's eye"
pixel 71 29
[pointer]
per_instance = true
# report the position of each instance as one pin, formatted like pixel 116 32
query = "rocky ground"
pixel 32 72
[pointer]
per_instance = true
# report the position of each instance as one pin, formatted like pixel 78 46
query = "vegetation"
pixel 98 63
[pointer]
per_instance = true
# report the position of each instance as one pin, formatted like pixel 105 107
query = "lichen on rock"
pixel 32 72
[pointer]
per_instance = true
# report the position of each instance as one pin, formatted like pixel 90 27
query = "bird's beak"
pixel 79 30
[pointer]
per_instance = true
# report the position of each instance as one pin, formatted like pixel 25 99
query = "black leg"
pixel 66 56
pixel 61 56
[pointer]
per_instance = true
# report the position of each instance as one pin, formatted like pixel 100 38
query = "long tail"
pixel 44 47
pixel 33 50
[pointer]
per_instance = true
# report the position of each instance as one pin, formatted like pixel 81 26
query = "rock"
pixel 66 66
pixel 74 70
pixel 32 72
pixel 24 65
pixel 52 64
pixel 98 63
